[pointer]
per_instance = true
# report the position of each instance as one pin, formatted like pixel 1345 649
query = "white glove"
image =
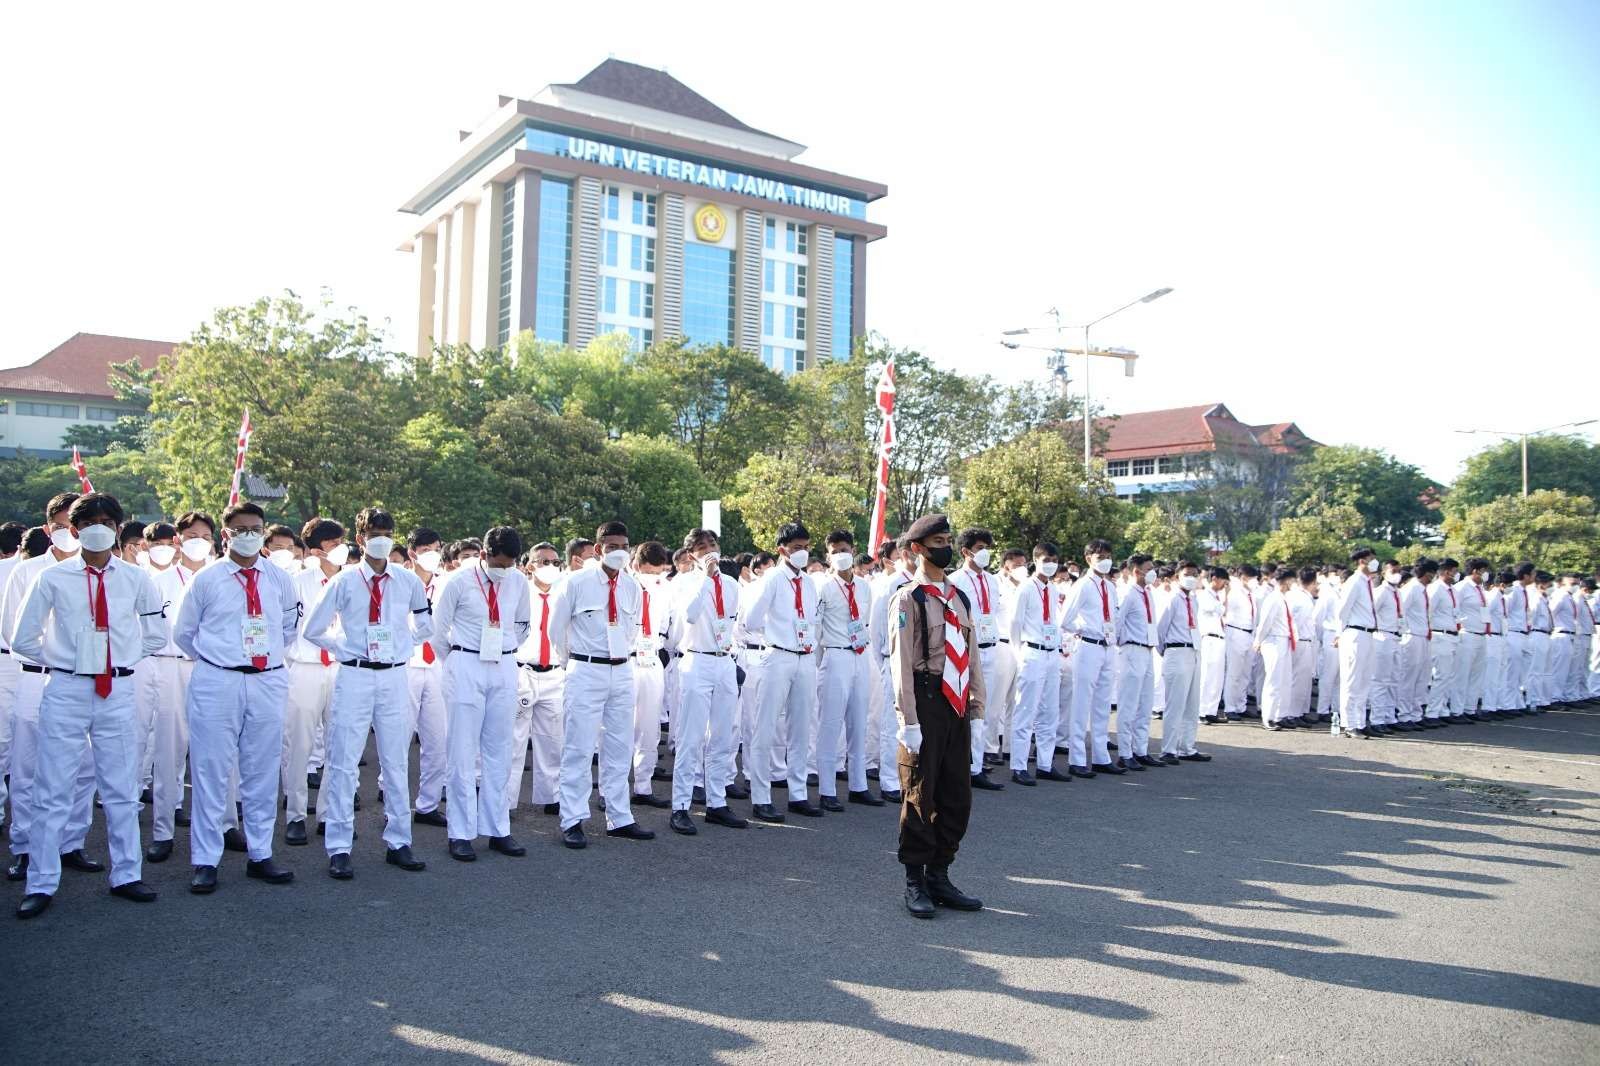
pixel 910 738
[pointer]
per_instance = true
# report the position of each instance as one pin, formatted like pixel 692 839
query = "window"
pixel 628 264
pixel 708 289
pixel 5 405
pixel 613 200
pixel 1170 464
pixel 641 254
pixel 608 254
pixel 508 231
pixel 784 269
pixel 644 209
pixel 844 250
pixel 47 410
pixel 1142 467
pixel 553 288
pixel 1117 468
pixel 103 414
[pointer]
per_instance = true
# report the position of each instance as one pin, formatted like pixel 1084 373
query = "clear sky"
pixel 1381 220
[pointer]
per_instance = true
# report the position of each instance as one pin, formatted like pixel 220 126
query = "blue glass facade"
pixel 553 286
pixel 844 276
pixel 707 294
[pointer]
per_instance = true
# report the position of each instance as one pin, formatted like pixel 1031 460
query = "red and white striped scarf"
pixel 956 675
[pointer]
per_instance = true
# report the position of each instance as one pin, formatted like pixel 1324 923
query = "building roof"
pixel 631 83
pixel 81 365
pixel 1185 430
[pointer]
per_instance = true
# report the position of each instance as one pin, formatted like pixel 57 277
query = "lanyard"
pixel 1188 607
pixel 850 593
pixel 252 598
pixel 489 598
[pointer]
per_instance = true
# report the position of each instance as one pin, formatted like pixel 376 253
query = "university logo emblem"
pixel 710 224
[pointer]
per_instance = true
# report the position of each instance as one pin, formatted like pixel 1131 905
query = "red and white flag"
pixel 81 471
pixel 880 499
pixel 238 458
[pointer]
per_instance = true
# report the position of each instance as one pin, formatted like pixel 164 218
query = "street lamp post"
pixel 1524 435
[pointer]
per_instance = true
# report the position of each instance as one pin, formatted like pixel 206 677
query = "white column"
pixel 424 250
pixel 441 280
pixel 485 303
pixel 463 260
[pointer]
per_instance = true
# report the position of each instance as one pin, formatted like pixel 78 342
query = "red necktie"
pixel 1105 600
pixel 102 622
pixel 1188 608
pixel 327 657
pixel 716 594
pixel 1148 617
pixel 1251 600
pixel 252 604
pixel 1044 597
pixel 611 602
pixel 494 605
pixel 799 601
pixel 855 614
pixel 427 646
pixel 1427 610
pixel 646 608
pixel 1399 616
pixel 1288 617
pixel 544 629
pixel 375 600
pixel 983 593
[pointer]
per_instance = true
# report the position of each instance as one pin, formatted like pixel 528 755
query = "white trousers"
pixel 538 722
pixel 888 727
pixel 235 727
pixel 1213 669
pixel 1036 707
pixel 788 705
pixel 1241 663
pixel 1302 668
pixel 999 698
pixel 1467 673
pixel 430 721
pixel 310 700
pixel 482 700
pixel 649 690
pixel 1494 672
pixel 10 674
pixel 755 670
pixel 163 683
pixel 1518 661
pixel 379 700
pixel 1136 693
pixel 1327 676
pixel 1443 696
pixel 71 714
pixel 24 764
pixel 1091 705
pixel 707 705
pixel 1381 704
pixel 1277 679
pixel 598 707
pixel 1356 660
pixel 845 684
pixel 1538 680
pixel 1180 708
pixel 1412 658
pixel 1577 667
pixel 1594 664
pixel 1558 660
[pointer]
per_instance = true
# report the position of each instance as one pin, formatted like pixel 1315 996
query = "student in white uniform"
pixel 1591 589
pixel 1136 638
pixel 896 573
pixel 311 671
pixel 1089 613
pixel 1563 624
pixel 1358 623
pixel 1302 599
pixel 1444 647
pixel 11 534
pixel 1276 641
pixel 1212 603
pixel 163 681
pixel 89 621
pixel 1540 625
pixel 540 685
pixel 845 677
pixel 425 686
pixel 983 603
pixel 1239 625
pixel 1326 619
pixel 1578 674
pixel 1001 685
pixel 1413 657
pixel 652 650
pixel 1382 706
pixel 1179 635
pixel 1036 641
pixel 237 620
pixel 1475 633
pixel 751 656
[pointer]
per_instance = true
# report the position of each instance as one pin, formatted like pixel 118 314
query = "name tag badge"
pixel 857 633
pixel 802 633
pixel 93 645
pixel 645 648
pixel 1052 635
pixel 380 643
pixel 722 631
pixel 986 631
pixel 489 643
pixel 253 636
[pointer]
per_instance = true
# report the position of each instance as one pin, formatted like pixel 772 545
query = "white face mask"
pixel 338 556
pixel 494 573
pixel 63 540
pixel 197 549
pixel 430 560
pixel 902 565
pixel 283 559
pixel 1149 577
pixel 981 557
pixel 161 554
pixel 1047 569
pixel 97 538
pixel 841 561
pixel 1392 578
pixel 799 558
pixel 591 562
pixel 708 557
pixel 141 557
pixel 1189 583
pixel 546 574
pixel 1372 566
pixel 617 558
pixel 245 545
pixel 379 547
pixel 1102 566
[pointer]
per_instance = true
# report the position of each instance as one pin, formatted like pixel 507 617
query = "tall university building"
pixel 626 202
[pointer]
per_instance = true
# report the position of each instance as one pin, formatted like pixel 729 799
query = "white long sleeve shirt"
pixel 1445 604
pixel 1272 618
pixel 1496 611
pixel 211 622
pixel 883 591
pixel 1090 609
pixel 983 597
pixel 1563 611
pixel 462 611
pixel 1240 607
pixel 1179 620
pixel 1304 610
pixel 1036 616
pixel 843 621
pixel 1391 612
pixel 1519 600
pixel 538 649
pixel 1136 617
pixel 59 612
pixel 18 585
pixel 774 613
pixel 582 621
pixel 310 584
pixel 708 630
pixel 1416 609
pixel 172 585
pixel 1358 603
pixel 404 617
pixel 1472 607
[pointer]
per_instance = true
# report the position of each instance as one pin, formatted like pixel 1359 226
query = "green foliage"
pixel 1034 489
pixel 557 476
pixel 772 490
pixel 1246 548
pixel 665 490
pixel 1164 532
pixel 1308 540
pixel 1570 464
pixel 443 483
pixel 1557 530
pixel 1389 495
pixel 724 405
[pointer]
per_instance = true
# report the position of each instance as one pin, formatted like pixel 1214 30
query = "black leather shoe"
pixel 314 779
pixel 1195 756
pixel 892 795
pixel 649 799
pixel 866 799
pixel 1148 761
pixel 1169 760
pixel 1354 734
pixel 918 901
pixel 766 812
pixel 79 860
pixel 697 795
pixel 1131 763
pixel 737 792
pixel 982 783
pixel 144 797
pixel 872 773
pixel 204 881
pixel 18 870
pixel 811 781
pixel 723 816
pixel 270 872
pixel 572 836
pixel 632 831
pixel 782 782
pixel 180 818
pixel 1022 777
pixel 507 845
pixel 340 868
pixel 435 817
pixel 553 809
pixel 461 851
pixel 233 840
pixel 137 891
pixel 33 905
pixel 680 822
pixel 357 800
pixel 945 894
pixel 661 773
pixel 1108 768
pixel 805 808
pixel 158 851
pixel 294 833
pixel 1080 771
pixel 830 804
pixel 1051 774
pixel 403 858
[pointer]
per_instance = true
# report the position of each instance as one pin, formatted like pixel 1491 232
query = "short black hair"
pixel 189 518
pixel 1013 553
pixel 94 506
pixel 1219 573
pixel 651 553
pixel 374 519
pixel 1477 562
pixel 35 542
pixel 791 532
pixel 886 548
pixel 319 531
pixel 863 559
pixel 1448 563
pixel 1308 574
pixel 971 538
pixel 1523 570
pixel 612 528
pixel 421 537
pixel 11 536
pixel 760 559
pixel 278 529
pixel 840 536
pixel 1426 566
pixel 249 507
pixel 131 530
pixel 467 544
pixel 1138 559
pixel 1248 570
pixel 503 541
pixel 1361 555
pixel 1046 547
pixel 61 501
pixel 159 531
pixel 1098 545
pixel 696 537
pixel 545 546
pixel 576 545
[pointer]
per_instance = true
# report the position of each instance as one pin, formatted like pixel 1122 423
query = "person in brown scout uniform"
pixel 938 691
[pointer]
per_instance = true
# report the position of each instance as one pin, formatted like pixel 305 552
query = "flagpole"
pixel 81 471
pixel 238 457
pixel 880 499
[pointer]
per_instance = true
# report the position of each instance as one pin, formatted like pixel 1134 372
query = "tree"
pixel 1555 529
pixel 556 474
pixel 444 483
pixel 1244 549
pixel 1164 532
pixel 723 403
pixel 336 450
pixel 772 490
pixel 1391 496
pixel 605 382
pixel 20 488
pixel 131 383
pixel 1034 489
pixel 665 490
pixel 1243 488
pixel 1310 540
pixel 1568 463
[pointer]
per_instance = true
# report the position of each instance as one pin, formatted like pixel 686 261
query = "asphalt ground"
pixel 1301 898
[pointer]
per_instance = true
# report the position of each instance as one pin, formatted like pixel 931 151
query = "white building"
pixel 66 386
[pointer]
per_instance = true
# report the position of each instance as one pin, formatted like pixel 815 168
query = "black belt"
pixel 754 647
pixel 1136 644
pixel 713 654
pixel 1563 632
pixel 1447 631
pixel 1037 647
pixel 677 655
pixel 120 671
pixel 1215 636
pixel 791 651
pixel 1491 634
pixel 1091 640
pixel 595 660
pixel 1538 631
pixel 5 651
pixel 1180 645
pixel 1005 640
pixel 539 669
pixel 30 668
pixel 834 647
pixel 1241 629
pixel 985 647
pixel 244 669
pixel 1364 629
pixel 368 664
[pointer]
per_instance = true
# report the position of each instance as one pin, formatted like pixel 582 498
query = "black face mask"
pixel 940 557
